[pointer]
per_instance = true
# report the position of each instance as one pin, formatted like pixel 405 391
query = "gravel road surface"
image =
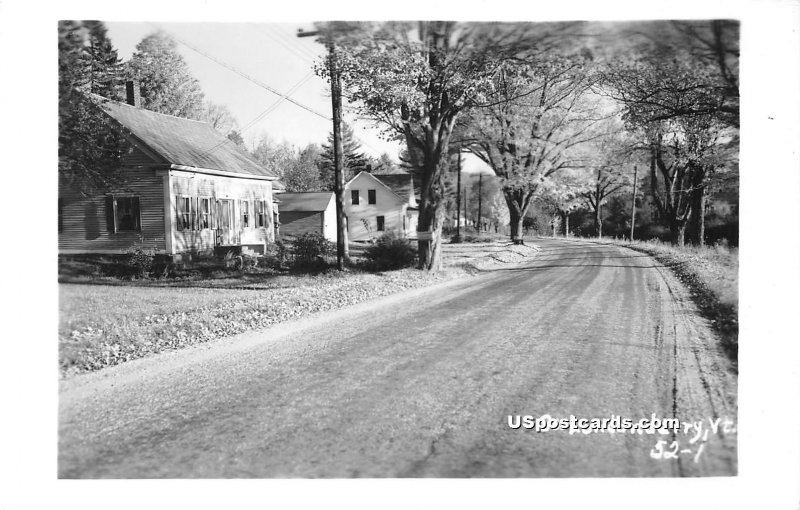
pixel 422 384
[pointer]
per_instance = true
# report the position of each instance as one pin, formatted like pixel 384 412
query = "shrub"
pixel 391 251
pixel 311 250
pixel 249 262
pixel 140 261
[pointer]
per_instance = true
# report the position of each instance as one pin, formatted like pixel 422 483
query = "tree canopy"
pixel 167 85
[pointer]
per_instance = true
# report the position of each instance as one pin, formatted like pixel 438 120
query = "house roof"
pixel 180 141
pixel 401 184
pixel 310 201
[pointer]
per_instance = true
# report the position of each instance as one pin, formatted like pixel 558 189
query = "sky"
pixel 272 54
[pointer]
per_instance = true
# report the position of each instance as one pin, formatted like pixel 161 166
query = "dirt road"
pixel 422 385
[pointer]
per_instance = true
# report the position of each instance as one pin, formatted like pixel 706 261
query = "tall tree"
pixel 89 148
pixel 416 78
pixel 275 156
pixel 684 128
pixel 385 164
pixel 167 85
pixel 302 172
pixel 219 117
pixel 540 113
pixel 354 160
pixel 104 67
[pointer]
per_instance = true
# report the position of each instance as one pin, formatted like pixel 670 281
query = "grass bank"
pixel 711 273
pixel 106 321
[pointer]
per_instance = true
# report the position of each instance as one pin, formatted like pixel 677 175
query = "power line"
pixel 284 97
pixel 250 78
pixel 292 41
pixel 271 108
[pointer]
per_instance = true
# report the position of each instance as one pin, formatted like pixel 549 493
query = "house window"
pixel 185 213
pixel 371 196
pixel 204 219
pixel 261 213
pixel 380 224
pixel 125 211
pixel 245 207
pixel 354 196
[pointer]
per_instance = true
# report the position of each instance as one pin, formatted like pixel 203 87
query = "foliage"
pixel 540 113
pixel 391 251
pixel 140 260
pixel 354 159
pixel 272 155
pixel 219 117
pixel 167 85
pixel 385 164
pixel 301 172
pixel 311 250
pixel 236 137
pixel 89 148
pixel 415 79
pixel 682 104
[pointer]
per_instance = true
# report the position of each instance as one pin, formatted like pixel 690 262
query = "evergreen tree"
pixel 89 149
pixel 354 160
pixel 167 85
pixel 385 165
pixel 104 67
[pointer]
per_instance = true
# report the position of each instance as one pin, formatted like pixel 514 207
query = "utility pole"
pixel 458 201
pixel 465 207
pixel 633 204
pixel 480 199
pixel 342 251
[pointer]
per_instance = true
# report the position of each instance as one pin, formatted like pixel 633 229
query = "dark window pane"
pixel 354 196
pixel 371 196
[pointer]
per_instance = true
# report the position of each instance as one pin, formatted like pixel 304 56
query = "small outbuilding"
pixel 307 212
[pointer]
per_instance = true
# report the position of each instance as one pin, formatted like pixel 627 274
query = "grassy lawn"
pixel 712 275
pixel 106 321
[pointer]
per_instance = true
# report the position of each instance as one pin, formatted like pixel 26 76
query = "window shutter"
pixel 110 226
pixel 178 212
pixel 193 209
pixel 137 222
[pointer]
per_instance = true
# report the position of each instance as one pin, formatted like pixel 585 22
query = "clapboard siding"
pixel 296 223
pixel 219 187
pixel 137 157
pixel 84 225
pixel 362 218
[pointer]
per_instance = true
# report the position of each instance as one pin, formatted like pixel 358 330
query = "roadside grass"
pixel 106 321
pixel 711 273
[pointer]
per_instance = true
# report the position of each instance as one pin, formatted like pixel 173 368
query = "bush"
pixel 311 250
pixel 391 251
pixel 140 261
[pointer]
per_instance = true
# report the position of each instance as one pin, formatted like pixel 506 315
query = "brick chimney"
pixel 132 93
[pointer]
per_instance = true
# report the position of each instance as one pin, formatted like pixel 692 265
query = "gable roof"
pixel 183 142
pixel 401 184
pixel 312 201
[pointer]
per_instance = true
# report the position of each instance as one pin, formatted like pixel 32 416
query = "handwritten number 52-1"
pixel 660 452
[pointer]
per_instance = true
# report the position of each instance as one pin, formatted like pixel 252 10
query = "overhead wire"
pixel 284 97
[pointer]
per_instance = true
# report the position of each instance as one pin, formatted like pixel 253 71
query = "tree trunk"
pixel 598 221
pixel 516 226
pixel 697 216
pixel 431 220
pixel 677 231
